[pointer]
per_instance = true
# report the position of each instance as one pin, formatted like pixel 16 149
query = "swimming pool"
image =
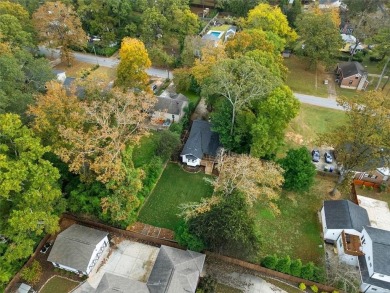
pixel 217 34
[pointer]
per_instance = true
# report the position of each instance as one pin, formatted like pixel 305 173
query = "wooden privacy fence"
pixel 366 183
pixel 271 273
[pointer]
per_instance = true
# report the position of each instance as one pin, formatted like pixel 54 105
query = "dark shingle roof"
pixel 75 245
pixel 172 106
pixel 352 68
pixel 116 284
pixel 344 214
pixel 201 140
pixel 366 276
pixel 175 270
pixel 380 249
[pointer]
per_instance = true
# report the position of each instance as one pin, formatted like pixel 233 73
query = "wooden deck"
pixel 209 166
pixel 351 244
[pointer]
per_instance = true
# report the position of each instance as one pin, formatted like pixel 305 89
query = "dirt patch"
pixel 296 138
pixel 201 111
pixel 152 231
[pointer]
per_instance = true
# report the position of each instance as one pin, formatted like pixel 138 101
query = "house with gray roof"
pixel 230 32
pixel 201 142
pixel 78 249
pixel 374 264
pixel 174 271
pixel 170 108
pixel 342 225
pixel 352 75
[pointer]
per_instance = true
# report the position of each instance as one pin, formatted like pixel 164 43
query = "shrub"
pixel 167 145
pixel 283 265
pixel 307 271
pixel 207 285
pixel 314 288
pixel 33 273
pixel 375 58
pixel 302 286
pixel 270 261
pixel 318 275
pixel 296 267
pixel 185 238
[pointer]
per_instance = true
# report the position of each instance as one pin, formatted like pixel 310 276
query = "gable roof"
pixel 366 275
pixel 175 270
pixel 201 140
pixel 116 284
pixel 172 106
pixel 380 249
pixel 74 246
pixel 344 214
pixel 351 68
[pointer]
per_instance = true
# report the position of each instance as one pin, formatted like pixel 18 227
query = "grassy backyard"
pixel 174 187
pixel 296 231
pixel 302 80
pixel 146 149
pixel 59 285
pixel 311 121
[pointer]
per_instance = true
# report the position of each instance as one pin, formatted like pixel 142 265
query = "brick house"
pixel 352 75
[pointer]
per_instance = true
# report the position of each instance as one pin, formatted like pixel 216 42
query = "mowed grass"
pixel 310 122
pixel 305 81
pixel 174 188
pixel 59 285
pixel 296 231
pixel 145 150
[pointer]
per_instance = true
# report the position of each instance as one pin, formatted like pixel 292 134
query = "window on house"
pixel 381 276
pixel 369 257
pixel 373 289
pixel 370 265
pixel 351 81
pixel 356 77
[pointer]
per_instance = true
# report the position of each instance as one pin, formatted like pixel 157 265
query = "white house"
pixel 78 249
pixel 374 265
pixel 231 32
pixel 201 141
pixel 170 108
pixel 342 225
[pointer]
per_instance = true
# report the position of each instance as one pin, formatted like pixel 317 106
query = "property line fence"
pixel 208 24
pixel 267 272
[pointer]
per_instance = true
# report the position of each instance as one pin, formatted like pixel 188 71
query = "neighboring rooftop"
pixel 344 214
pixel 380 249
pixel 74 246
pixel 175 270
pixel 116 284
pixel 352 68
pixel 171 105
pixel 201 141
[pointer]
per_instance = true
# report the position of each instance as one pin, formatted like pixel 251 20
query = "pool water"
pixel 216 34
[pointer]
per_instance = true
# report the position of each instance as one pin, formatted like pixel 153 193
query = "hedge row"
pixel 294 267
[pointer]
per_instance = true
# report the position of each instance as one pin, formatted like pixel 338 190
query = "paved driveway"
pixel 129 259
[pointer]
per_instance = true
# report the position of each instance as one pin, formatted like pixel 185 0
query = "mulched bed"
pixel 152 231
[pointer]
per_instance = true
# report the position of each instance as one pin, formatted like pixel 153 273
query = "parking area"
pixel 319 161
pixel 128 259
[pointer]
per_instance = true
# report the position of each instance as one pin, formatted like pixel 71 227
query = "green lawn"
pixel 311 121
pixel 302 80
pixel 146 149
pixel 59 285
pixel 192 97
pixel 296 231
pixel 174 187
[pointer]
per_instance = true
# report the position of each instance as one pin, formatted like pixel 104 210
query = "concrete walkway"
pixel 317 101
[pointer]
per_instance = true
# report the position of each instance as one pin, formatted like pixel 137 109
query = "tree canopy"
pixel 29 191
pixel 299 171
pixel 59 26
pixel 134 61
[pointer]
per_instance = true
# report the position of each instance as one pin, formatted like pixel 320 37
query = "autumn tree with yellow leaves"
pixel 134 61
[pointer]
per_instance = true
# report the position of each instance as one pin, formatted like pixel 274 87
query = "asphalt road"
pixel 163 73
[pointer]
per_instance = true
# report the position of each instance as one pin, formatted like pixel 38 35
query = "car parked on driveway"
pixel 315 155
pixel 46 247
pixel 328 158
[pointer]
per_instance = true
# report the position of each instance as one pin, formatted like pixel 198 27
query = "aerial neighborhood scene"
pixel 195 146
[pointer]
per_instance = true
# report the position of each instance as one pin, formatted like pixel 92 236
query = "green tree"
pixel 382 47
pixel 307 271
pixel 321 37
pixel 273 115
pixel 228 227
pixel 186 239
pixel 12 33
pixel 33 273
pixel 168 144
pixel 240 81
pixel 131 69
pixel 299 172
pixel 296 267
pixel 237 7
pixel 28 189
pixel 59 26
pixel 294 12
pixel 22 76
pixel 363 141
